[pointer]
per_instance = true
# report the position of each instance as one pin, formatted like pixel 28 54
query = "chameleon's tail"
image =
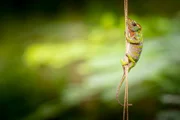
pixel 118 90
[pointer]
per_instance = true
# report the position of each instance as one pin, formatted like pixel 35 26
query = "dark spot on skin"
pixel 134 24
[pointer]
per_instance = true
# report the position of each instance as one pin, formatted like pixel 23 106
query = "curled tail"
pixel 118 90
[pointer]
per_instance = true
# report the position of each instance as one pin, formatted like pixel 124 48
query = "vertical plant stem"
pixel 126 91
pixel 126 13
pixel 125 111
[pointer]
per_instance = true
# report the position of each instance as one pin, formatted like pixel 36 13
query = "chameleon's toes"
pixel 123 62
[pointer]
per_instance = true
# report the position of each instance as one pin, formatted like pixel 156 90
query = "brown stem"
pixel 125 111
pixel 126 13
pixel 126 91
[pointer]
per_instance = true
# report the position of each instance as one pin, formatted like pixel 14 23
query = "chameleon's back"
pixel 135 33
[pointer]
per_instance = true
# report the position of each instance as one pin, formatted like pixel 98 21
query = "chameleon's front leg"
pixel 130 40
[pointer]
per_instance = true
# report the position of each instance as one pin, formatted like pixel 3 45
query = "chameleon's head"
pixel 133 26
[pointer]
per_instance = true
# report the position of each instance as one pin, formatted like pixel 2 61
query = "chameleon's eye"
pixel 134 24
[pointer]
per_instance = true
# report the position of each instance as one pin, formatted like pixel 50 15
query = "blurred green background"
pixel 60 60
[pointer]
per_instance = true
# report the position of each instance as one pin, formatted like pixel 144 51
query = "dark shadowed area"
pixel 60 60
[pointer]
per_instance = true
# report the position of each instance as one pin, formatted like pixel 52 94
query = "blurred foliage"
pixel 67 67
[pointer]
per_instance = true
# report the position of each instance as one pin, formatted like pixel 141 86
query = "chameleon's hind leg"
pixel 132 62
pixel 131 66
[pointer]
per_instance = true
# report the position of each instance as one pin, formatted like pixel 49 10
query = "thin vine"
pixel 125 110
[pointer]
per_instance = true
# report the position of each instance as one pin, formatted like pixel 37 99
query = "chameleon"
pixel 135 44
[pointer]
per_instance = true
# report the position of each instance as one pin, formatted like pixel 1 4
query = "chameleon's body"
pixel 135 45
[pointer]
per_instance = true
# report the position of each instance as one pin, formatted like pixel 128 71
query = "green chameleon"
pixel 135 44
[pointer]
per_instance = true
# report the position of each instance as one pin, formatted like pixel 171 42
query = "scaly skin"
pixel 135 43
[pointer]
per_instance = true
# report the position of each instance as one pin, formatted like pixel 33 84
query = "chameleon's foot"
pixel 124 62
